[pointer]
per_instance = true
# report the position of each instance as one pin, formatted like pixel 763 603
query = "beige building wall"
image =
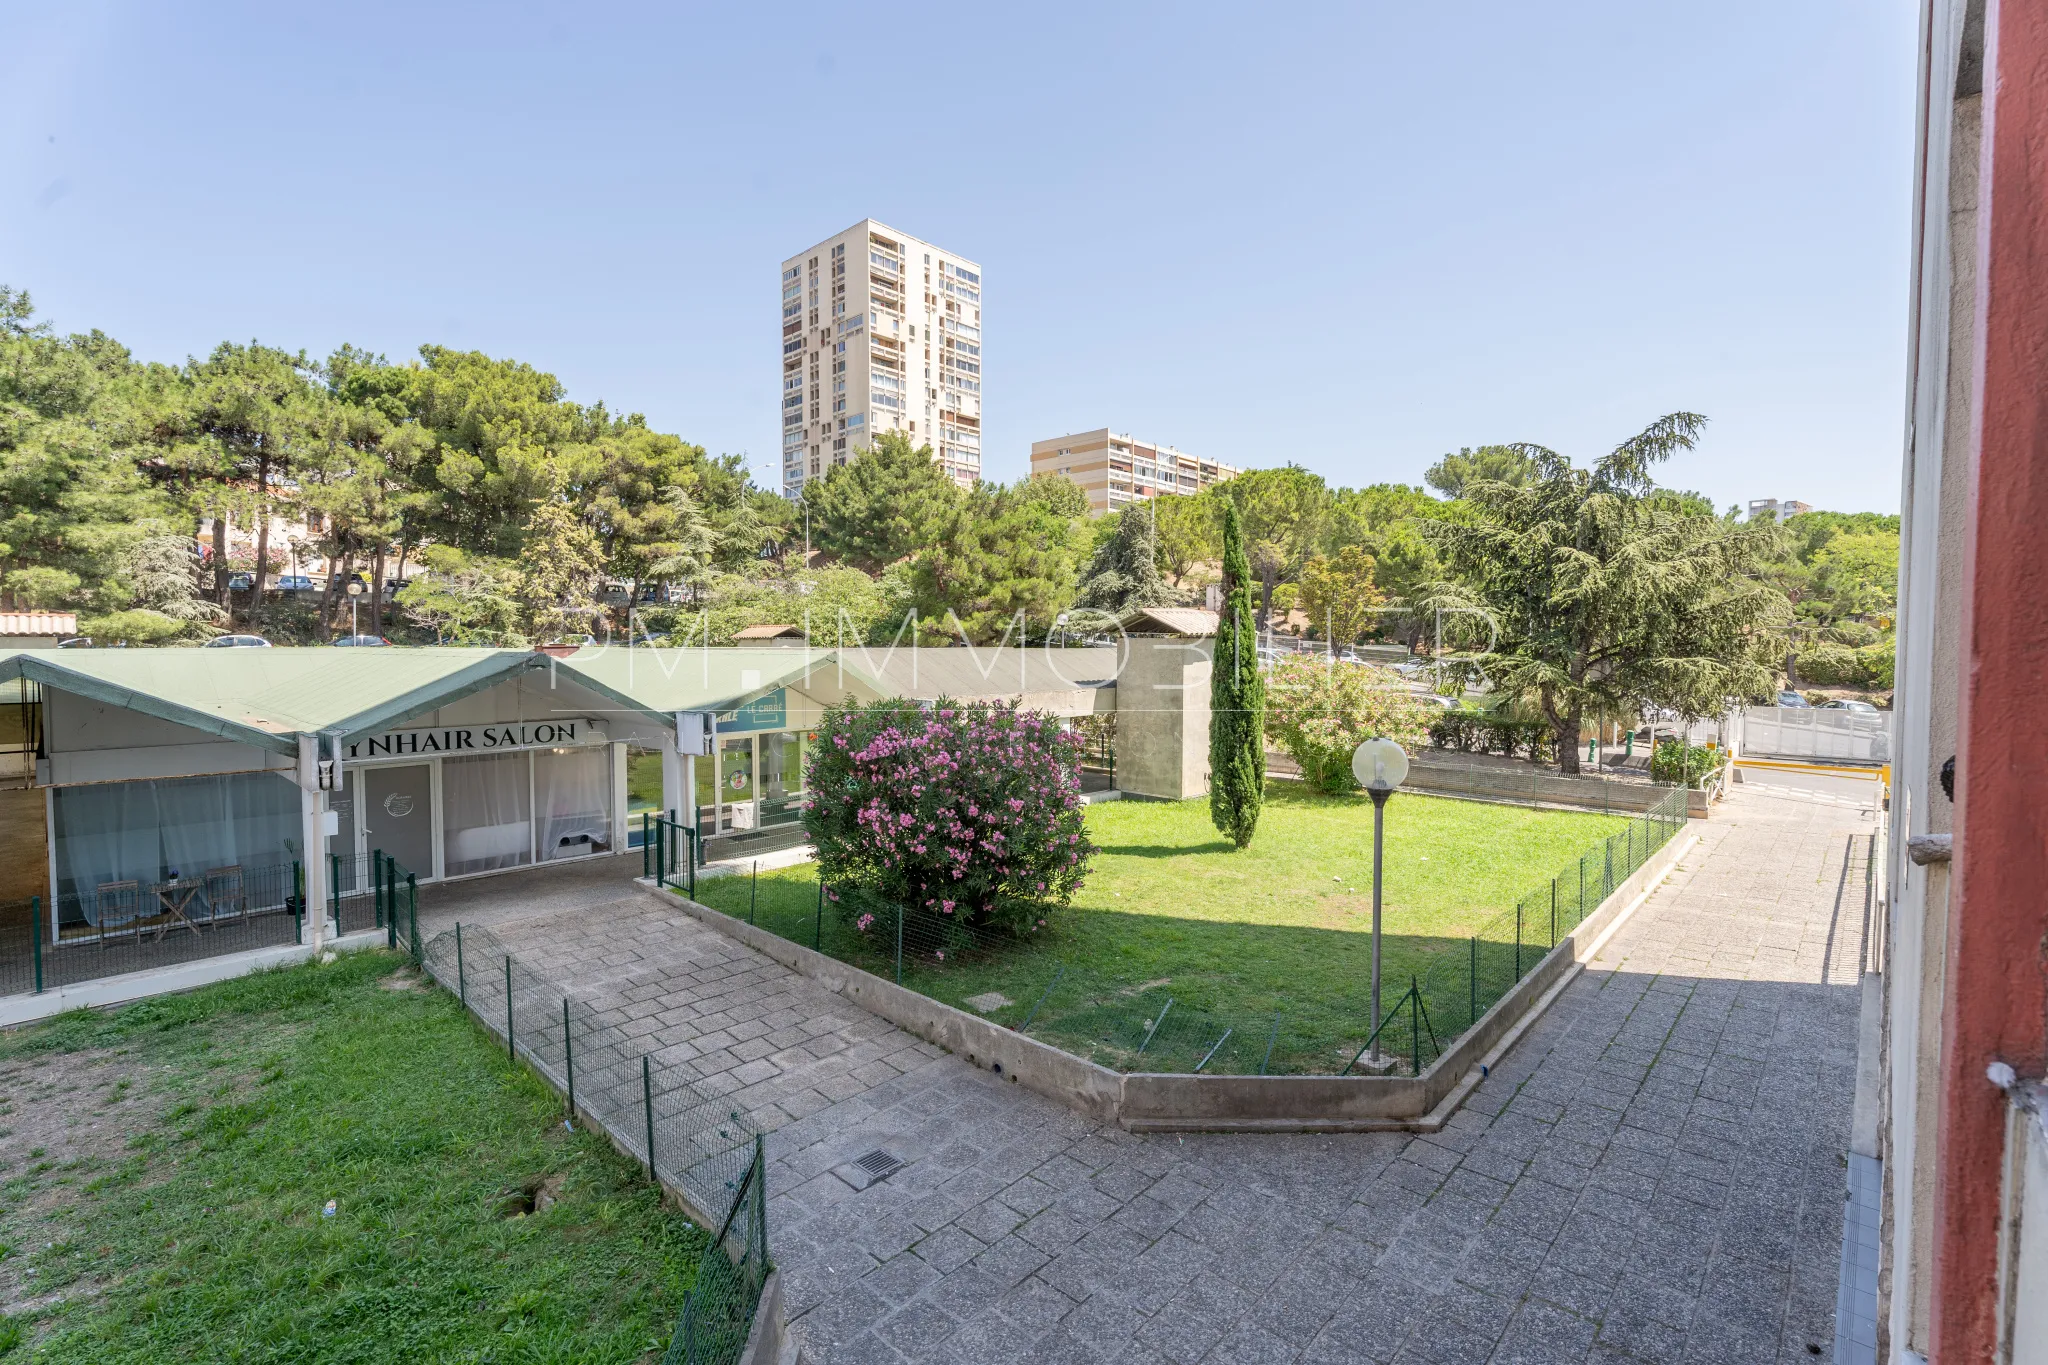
pixel 880 332
pixel 1116 469
pixel 1162 717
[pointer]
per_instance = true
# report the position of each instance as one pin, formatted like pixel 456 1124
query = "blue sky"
pixel 1353 236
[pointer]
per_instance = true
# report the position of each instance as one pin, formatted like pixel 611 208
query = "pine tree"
pixel 1125 570
pixel 1237 699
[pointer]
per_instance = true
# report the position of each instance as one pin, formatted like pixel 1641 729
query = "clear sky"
pixel 1352 236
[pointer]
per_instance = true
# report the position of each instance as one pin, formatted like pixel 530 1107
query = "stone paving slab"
pixel 1654 1173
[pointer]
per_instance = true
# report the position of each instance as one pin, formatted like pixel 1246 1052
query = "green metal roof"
pixel 685 679
pixel 267 696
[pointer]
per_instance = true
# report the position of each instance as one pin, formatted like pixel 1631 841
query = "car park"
pixel 236 642
pixel 363 641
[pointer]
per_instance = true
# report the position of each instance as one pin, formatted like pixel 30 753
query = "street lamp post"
pixel 1380 766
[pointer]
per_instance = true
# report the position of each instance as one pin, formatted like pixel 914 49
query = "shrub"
pixel 1874 664
pixel 1481 732
pixel 968 810
pixel 1319 712
pixel 1828 665
pixel 1699 760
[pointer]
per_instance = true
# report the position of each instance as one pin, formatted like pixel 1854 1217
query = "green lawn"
pixel 1233 938
pixel 171 1208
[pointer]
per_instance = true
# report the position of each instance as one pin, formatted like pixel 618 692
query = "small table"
pixel 175 897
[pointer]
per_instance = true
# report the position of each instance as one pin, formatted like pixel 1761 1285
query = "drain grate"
pixel 871 1169
pixel 879 1165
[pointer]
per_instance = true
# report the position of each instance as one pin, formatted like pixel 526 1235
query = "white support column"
pixel 313 819
pixel 620 796
pixel 675 777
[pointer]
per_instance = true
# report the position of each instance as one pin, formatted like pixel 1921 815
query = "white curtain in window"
pixel 574 790
pixel 486 813
pixel 143 831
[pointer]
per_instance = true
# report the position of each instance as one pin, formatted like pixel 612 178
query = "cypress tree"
pixel 1237 699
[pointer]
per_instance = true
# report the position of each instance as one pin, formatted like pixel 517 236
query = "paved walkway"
pixel 1655 1172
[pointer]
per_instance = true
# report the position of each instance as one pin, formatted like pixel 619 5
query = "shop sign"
pixel 496 738
pixel 769 711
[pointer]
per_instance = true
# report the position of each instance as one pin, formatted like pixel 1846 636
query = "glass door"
pixel 736 783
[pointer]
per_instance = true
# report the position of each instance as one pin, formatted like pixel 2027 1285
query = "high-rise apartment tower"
pixel 880 332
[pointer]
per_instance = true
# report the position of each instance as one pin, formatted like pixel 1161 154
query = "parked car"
pixel 294 582
pixel 1790 698
pixel 236 642
pixel 1849 704
pixel 76 642
pixel 240 582
pixel 362 641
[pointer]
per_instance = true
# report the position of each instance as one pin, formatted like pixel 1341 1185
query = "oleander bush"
pixel 967 811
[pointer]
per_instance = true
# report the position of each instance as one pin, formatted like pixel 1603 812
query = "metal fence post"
pixel 818 922
pixel 569 1059
pixel 1414 1028
pixel 1472 984
pixel 1582 886
pixel 1518 940
pixel 1607 887
pixel 647 1100
pixel 754 892
pixel 696 856
pixel 646 852
pixel 377 885
pixel 1553 912
pixel 660 862
pixel 35 936
pixel 461 979
pixel 899 945
pixel 760 1211
pixel 391 903
pixel 510 1050
pixel 412 915
pixel 334 888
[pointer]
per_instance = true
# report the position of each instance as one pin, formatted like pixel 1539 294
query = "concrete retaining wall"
pixel 1178 1102
pixel 1534 786
pixel 1093 1090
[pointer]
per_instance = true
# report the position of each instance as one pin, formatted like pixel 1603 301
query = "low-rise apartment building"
pixel 1115 469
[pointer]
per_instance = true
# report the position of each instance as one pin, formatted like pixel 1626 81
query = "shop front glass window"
pixel 782 779
pixel 643 791
pixel 572 791
pixel 486 813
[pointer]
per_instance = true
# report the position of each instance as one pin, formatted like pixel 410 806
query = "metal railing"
pixel 1046 989
pixel 670 852
pixel 134 925
pixel 688 1139
pixel 371 892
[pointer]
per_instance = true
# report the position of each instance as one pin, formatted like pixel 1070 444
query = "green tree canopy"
pixel 1002 554
pixel 1602 594
pixel 1497 464
pixel 1124 571
pixel 881 507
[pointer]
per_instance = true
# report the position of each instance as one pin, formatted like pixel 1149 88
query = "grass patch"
pixel 1282 927
pixel 195 1228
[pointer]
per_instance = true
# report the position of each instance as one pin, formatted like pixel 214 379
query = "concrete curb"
pixel 184 976
pixel 1172 1103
